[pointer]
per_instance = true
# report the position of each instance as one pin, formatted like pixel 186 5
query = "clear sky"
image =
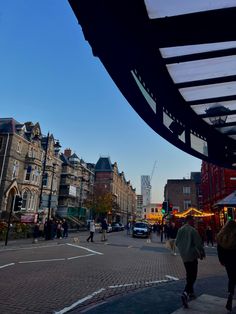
pixel 49 75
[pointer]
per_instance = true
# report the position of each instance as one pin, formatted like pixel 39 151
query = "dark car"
pixel 141 229
pixel 115 226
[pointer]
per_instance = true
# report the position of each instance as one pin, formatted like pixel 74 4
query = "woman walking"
pixel 226 248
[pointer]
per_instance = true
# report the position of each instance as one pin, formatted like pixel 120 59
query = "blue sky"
pixel 49 75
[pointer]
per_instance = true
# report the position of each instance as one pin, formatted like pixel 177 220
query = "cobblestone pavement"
pixel 60 275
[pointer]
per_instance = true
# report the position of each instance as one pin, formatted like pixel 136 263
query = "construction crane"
pixel 153 169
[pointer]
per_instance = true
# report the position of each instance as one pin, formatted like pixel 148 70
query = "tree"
pixel 100 203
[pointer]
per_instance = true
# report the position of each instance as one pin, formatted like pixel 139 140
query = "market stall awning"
pixel 175 62
pixel 229 200
pixel 193 212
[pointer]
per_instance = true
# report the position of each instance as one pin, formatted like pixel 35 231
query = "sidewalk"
pixel 165 299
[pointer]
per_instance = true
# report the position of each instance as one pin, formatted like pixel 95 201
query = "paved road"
pixel 62 275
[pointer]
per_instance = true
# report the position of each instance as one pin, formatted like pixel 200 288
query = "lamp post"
pixel 217 114
pixel 50 195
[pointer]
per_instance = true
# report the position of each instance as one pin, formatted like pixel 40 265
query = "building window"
pixel 24 200
pixel 15 169
pixel 144 210
pixel 45 179
pixel 187 204
pixel 156 210
pixel 186 190
pixel 28 173
pixel 152 210
pixel 18 148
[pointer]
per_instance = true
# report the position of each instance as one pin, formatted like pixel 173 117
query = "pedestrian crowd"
pixel 51 229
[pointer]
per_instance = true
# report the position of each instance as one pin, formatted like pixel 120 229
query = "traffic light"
pixel 170 207
pixel 164 207
pixel 18 203
pixel 230 213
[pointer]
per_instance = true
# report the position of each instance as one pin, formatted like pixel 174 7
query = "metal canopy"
pixel 175 62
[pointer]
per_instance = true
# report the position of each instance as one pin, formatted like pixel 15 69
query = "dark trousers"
pixel 231 272
pixel 191 275
pixel 90 236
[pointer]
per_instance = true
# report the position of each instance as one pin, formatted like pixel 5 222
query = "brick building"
pixel 182 193
pixel 108 179
pixel 216 183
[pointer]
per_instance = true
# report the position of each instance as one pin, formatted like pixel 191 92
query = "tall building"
pixel 146 189
pixel 139 213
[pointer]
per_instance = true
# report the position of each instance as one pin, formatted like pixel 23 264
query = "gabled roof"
pixel 103 165
pixel 175 62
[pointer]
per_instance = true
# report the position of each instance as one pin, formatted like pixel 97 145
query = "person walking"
pixel 226 248
pixel 104 229
pixel 65 228
pixel 91 230
pixel 172 234
pixel 209 236
pixel 189 244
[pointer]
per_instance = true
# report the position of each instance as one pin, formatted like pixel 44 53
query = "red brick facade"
pixel 216 183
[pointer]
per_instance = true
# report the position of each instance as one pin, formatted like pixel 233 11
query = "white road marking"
pixel 171 277
pixel 156 281
pixel 43 260
pixel 31 247
pixel 69 258
pixel 124 285
pixel 11 264
pixel 90 296
pixel 84 248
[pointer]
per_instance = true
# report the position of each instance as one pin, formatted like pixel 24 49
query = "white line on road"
pixel 171 277
pixel 124 285
pixel 31 247
pixel 90 296
pixel 43 260
pixel 11 264
pixel 69 258
pixel 84 248
pixel 156 281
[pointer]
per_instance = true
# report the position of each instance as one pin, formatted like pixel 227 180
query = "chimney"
pixel 67 152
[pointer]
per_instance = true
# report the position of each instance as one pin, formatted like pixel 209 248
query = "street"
pixel 61 275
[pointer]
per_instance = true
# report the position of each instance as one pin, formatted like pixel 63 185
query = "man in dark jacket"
pixel 104 229
pixel 190 247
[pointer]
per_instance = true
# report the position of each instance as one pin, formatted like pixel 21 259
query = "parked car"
pixel 141 229
pixel 122 227
pixel 115 226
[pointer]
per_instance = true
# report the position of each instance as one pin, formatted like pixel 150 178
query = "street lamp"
pixel 217 114
pixel 50 195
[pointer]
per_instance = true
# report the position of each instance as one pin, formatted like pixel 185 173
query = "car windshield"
pixel 140 225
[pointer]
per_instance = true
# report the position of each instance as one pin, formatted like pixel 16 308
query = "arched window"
pixel 24 200
pixel 28 173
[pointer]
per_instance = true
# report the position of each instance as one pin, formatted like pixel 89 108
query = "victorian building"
pixel 108 179
pixel 30 167
pixel 76 185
